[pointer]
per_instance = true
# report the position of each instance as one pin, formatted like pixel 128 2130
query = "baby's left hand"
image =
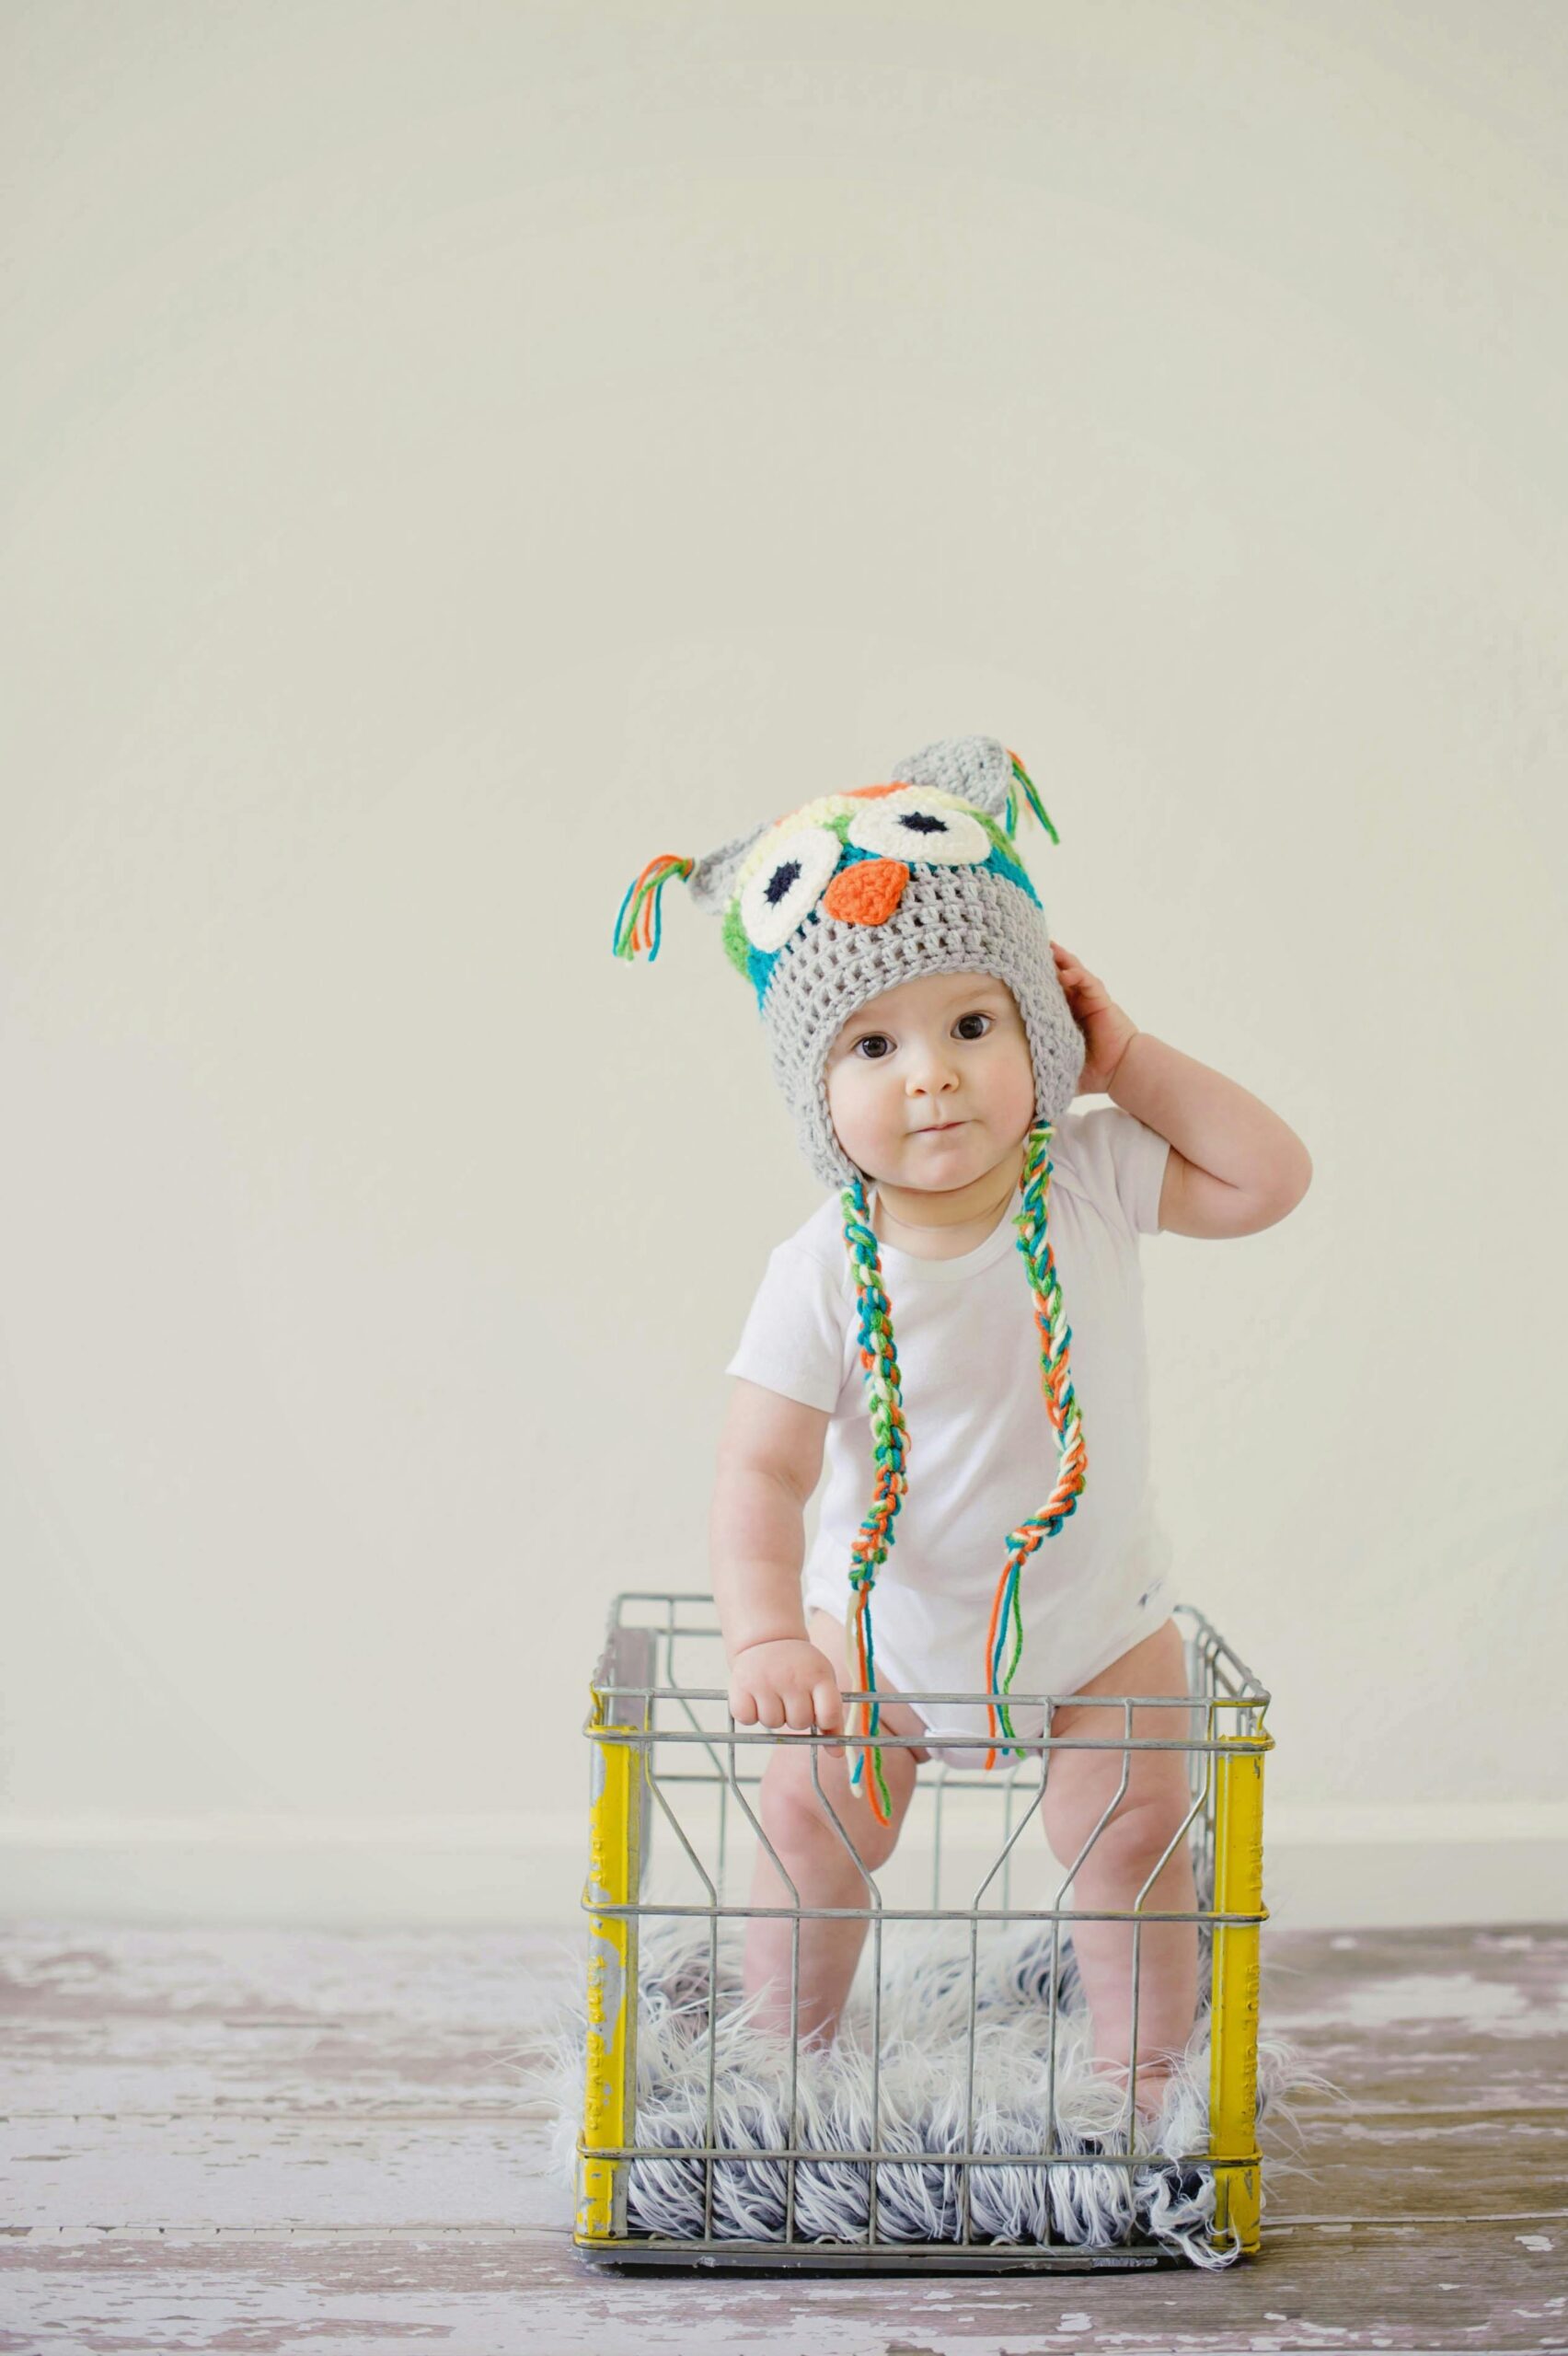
pixel 1106 1029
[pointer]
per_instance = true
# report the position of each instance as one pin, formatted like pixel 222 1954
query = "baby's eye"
pixel 975 1017
pixel 872 1039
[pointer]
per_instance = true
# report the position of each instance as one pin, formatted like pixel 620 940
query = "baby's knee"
pixel 1088 1814
pixel 804 1815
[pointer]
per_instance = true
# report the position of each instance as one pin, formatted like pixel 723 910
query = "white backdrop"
pixel 454 453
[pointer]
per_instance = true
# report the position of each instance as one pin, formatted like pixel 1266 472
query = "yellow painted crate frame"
pixel 616 1818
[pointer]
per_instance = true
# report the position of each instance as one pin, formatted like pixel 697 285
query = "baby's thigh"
pixel 830 1635
pixel 1081 1785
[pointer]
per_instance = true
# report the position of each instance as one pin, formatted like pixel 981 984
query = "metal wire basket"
pixel 665 1753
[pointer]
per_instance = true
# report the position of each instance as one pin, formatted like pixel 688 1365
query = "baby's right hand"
pixel 787 1683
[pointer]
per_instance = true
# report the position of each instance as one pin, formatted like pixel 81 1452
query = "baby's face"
pixel 945 1048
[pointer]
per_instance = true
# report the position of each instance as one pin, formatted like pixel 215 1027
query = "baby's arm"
pixel 1233 1167
pixel 769 1461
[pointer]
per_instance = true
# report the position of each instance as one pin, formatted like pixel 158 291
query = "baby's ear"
pixel 712 881
pixel 977 768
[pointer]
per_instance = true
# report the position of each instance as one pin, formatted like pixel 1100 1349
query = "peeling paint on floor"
pixel 255 2140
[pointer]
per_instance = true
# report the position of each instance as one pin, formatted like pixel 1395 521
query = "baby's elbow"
pixel 1293 1180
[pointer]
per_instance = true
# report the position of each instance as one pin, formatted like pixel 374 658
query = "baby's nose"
pixel 866 892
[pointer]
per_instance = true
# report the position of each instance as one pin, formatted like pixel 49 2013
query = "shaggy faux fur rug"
pixel 925 2007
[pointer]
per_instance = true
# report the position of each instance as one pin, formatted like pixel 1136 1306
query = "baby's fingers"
pixel 758 1705
pixel 742 1705
pixel 829 1705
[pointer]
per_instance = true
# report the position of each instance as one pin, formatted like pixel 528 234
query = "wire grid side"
pixel 685 1784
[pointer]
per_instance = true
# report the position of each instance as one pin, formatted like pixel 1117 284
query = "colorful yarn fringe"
pixel 643 900
pixel 1010 820
pixel 890 1439
pixel 890 1448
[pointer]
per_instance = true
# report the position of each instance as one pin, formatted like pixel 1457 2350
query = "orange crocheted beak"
pixel 868 892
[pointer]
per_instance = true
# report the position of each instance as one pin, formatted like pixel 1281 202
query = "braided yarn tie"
pixel 889 1445
pixel 890 1438
pixel 1061 1405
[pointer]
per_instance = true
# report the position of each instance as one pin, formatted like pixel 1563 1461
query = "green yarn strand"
pixel 1024 778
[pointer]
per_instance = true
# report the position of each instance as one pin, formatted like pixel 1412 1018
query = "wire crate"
pixel 673 1782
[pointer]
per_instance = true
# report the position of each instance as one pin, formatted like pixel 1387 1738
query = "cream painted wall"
pixel 453 452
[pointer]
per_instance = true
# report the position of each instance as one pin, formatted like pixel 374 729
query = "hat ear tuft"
pixel 1010 819
pixel 979 769
pixel 638 922
pixel 712 880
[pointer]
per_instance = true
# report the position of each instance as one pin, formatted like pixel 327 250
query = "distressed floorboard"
pixel 258 2141
pixel 473 2295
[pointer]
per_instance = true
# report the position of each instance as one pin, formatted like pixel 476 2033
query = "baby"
pixel 929 1037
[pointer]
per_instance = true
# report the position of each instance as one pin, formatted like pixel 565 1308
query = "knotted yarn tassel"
pixel 889 1445
pixel 642 900
pixel 1010 820
pixel 1061 1404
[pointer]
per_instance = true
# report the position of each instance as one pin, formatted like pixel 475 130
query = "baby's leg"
pixel 814 1858
pixel 1079 1786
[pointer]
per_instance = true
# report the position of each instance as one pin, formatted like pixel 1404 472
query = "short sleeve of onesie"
pixel 1124 1164
pixel 793 1339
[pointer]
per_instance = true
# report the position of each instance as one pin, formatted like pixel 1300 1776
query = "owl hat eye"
pixel 789 884
pixel 919 826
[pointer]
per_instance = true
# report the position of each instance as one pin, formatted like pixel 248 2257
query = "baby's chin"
pixel 939 1164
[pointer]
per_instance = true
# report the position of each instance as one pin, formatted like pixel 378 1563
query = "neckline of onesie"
pixel 1002 1237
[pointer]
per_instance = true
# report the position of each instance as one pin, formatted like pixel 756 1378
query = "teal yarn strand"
pixel 1010 818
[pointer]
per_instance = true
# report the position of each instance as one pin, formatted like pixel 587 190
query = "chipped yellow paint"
pixel 1233 2048
pixel 614 1819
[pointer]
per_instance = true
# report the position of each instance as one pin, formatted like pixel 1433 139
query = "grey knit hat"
pixel 853 893
pixel 843 897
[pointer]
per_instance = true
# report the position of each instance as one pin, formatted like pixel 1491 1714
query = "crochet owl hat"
pixel 843 897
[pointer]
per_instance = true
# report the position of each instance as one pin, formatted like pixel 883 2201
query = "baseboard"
pixel 1339 1867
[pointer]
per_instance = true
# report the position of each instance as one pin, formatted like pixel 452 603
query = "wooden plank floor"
pixel 273 2140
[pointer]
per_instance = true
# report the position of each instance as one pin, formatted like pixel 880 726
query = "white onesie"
pixel 981 1453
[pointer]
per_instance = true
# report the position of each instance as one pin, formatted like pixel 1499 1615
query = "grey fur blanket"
pixel 1169 2201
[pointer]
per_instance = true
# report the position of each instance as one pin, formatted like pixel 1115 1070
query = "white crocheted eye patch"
pixel 914 826
pixel 837 812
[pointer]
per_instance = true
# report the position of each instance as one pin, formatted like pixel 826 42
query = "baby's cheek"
pixel 1022 1081
pixel 853 1107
